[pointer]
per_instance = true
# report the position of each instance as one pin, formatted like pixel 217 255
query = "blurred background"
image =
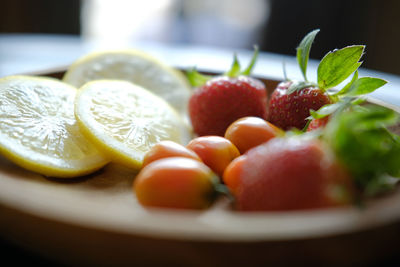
pixel 276 26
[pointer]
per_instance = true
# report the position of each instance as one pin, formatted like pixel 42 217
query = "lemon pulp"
pixel 126 120
pixel 38 128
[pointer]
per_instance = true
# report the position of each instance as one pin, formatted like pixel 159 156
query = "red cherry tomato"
pixel 215 151
pixel 248 132
pixel 165 149
pixel 175 182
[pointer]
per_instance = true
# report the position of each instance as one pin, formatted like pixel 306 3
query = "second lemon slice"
pixel 125 120
pixel 136 67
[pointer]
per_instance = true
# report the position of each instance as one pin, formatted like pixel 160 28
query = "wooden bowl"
pixel 97 220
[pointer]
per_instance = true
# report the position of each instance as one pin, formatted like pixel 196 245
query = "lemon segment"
pixel 126 120
pixel 38 129
pixel 136 67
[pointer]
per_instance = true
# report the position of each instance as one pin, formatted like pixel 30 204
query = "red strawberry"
pixel 223 100
pixel 287 110
pixel 219 101
pixel 288 174
pixel 317 123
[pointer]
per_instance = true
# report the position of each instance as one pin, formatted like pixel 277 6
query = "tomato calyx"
pixel 219 189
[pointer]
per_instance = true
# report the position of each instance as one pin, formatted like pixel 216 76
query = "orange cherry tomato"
pixel 248 132
pixel 175 182
pixel 215 151
pixel 165 149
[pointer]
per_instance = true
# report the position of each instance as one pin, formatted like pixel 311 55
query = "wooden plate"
pixel 97 220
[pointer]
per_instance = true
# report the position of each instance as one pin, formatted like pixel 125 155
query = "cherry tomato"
pixel 165 149
pixel 248 132
pixel 175 182
pixel 215 151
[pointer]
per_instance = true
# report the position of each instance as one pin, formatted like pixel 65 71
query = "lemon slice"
pixel 38 129
pixel 125 120
pixel 136 67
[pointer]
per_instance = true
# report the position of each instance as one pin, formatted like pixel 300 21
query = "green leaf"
pixel 380 185
pixel 362 142
pixel 379 118
pixel 249 68
pixel 303 51
pixel 346 88
pixel 337 65
pixel 235 68
pixel 365 85
pixel 298 85
pixel 195 78
pixel 358 101
pixel 327 110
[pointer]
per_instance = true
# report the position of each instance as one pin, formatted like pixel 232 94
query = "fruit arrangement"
pixel 309 145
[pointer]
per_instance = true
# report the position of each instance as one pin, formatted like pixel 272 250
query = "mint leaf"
pixel 365 85
pixel 337 65
pixel 346 88
pixel 362 142
pixel 249 68
pixel 195 78
pixel 303 51
pixel 235 68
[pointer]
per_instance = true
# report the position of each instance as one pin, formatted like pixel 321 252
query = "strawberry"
pixel 317 123
pixel 219 101
pixel 292 101
pixel 288 174
pixel 288 110
pixel 352 157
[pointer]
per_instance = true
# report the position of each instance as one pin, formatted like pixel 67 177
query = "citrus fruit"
pixel 38 129
pixel 126 120
pixel 136 67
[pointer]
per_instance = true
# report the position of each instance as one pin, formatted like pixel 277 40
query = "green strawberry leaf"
pixel 365 85
pixel 249 68
pixel 337 65
pixel 196 79
pixel 235 68
pixel 346 88
pixel 327 110
pixel 358 101
pixel 298 85
pixel 381 117
pixel 303 51
pixel 361 140
pixel 381 185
